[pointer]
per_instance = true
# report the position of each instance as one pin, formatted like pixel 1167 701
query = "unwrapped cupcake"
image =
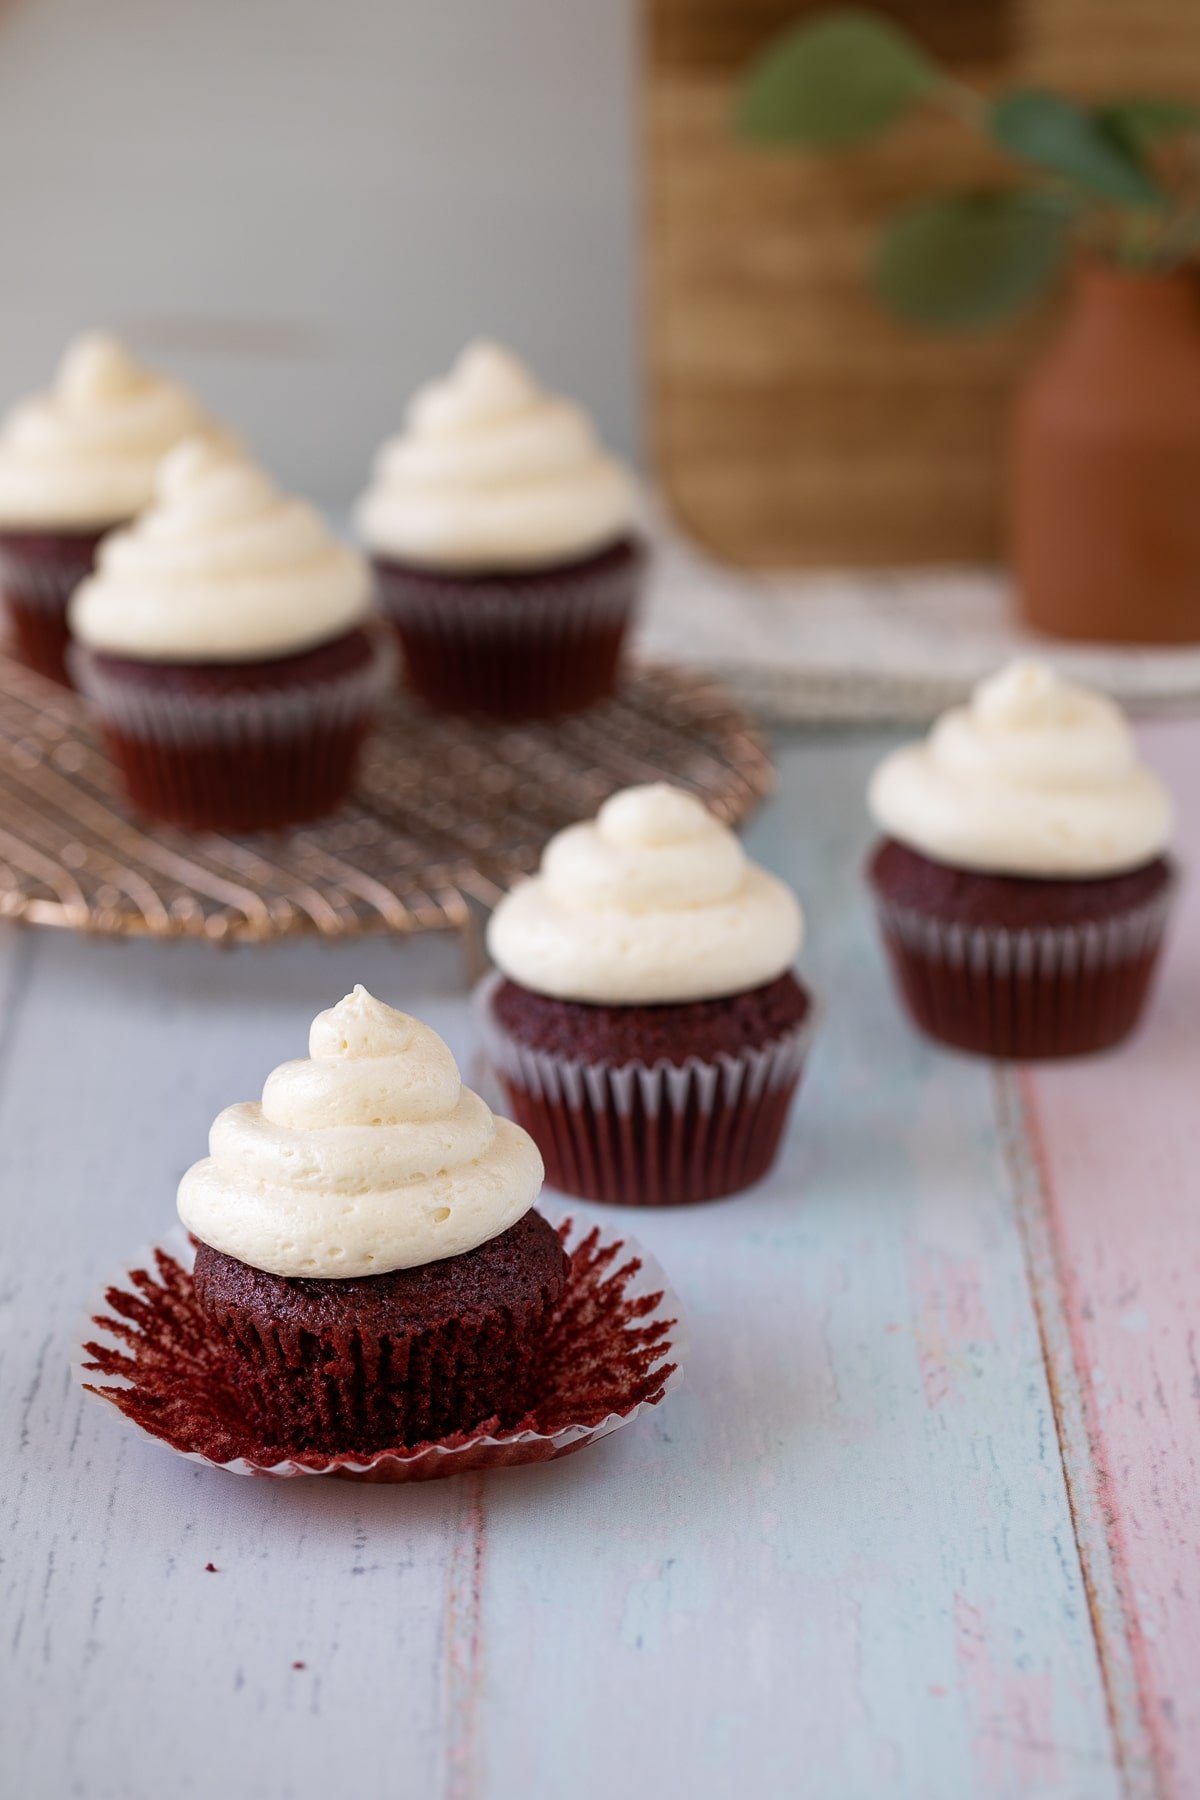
pixel 644 1019
pixel 504 544
pixel 224 641
pixel 369 1249
pixel 1022 881
pixel 74 463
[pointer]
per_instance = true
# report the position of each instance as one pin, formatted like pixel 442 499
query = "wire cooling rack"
pixel 447 814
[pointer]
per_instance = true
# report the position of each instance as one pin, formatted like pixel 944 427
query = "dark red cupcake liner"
pixel 611 1349
pixel 514 647
pixel 642 1134
pixel 39 571
pixel 254 759
pixel 1025 995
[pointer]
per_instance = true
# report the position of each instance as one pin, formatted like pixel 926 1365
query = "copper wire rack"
pixel 447 814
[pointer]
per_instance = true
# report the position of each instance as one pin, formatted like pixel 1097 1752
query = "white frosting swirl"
pixel 222 568
pixel 1035 777
pixel 369 1156
pixel 652 901
pixel 493 473
pixel 83 455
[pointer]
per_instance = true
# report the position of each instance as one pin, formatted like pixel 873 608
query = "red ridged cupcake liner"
pixel 612 1348
pixel 514 648
pixel 250 760
pixel 39 571
pixel 649 1135
pixel 1063 990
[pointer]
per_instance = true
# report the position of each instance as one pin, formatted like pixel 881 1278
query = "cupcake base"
pixel 614 1346
pixel 509 645
pixel 239 746
pixel 697 1113
pixel 1012 967
pixel 39 571
pixel 402 1358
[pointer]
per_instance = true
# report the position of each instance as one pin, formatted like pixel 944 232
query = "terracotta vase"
pixel 1105 477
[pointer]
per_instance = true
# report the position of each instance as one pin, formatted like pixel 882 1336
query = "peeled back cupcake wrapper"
pixel 1057 991
pixel 144 1347
pixel 679 1133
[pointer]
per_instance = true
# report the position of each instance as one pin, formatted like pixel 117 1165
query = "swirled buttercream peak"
pixel 366 1156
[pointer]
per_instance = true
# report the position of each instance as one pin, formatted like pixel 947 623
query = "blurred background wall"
pixel 306 206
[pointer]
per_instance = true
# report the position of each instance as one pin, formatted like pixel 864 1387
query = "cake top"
pixel 491 472
pixel 367 1156
pixel 652 901
pixel 222 567
pixel 1034 777
pixel 83 454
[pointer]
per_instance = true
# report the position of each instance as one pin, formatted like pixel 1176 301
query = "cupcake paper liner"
pixel 36 585
pixel 639 1134
pixel 1063 990
pixel 243 761
pixel 512 650
pixel 613 1348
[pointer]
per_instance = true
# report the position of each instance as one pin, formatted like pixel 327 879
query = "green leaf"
pixel 833 82
pixel 1064 139
pixel 1140 122
pixel 969 260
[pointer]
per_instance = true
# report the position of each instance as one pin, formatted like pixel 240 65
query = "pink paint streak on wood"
pixel 1118 1142
pixel 1012 1714
pixel 464 1644
pixel 950 1318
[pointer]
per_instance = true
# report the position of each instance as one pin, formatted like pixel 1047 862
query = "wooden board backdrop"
pixel 791 421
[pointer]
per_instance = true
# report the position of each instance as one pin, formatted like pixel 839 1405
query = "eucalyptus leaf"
pixel 1142 121
pixel 835 81
pixel 968 260
pixel 1055 134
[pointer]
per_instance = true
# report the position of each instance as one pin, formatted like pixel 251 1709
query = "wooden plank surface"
pixel 842 1560
pixel 791 419
pixel 1117 1149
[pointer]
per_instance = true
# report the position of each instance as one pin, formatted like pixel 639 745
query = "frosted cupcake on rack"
pixel 370 1250
pixel 504 544
pixel 225 643
pixel 75 462
pixel 645 1019
pixel 1023 879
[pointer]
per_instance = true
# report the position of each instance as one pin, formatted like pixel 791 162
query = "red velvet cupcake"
pixel 1022 883
pixel 39 571
pixel 503 545
pixel 369 1252
pixel 225 644
pixel 75 463
pixel 645 1022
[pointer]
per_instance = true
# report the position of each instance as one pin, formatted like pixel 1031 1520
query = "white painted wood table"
pixel 923 1520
